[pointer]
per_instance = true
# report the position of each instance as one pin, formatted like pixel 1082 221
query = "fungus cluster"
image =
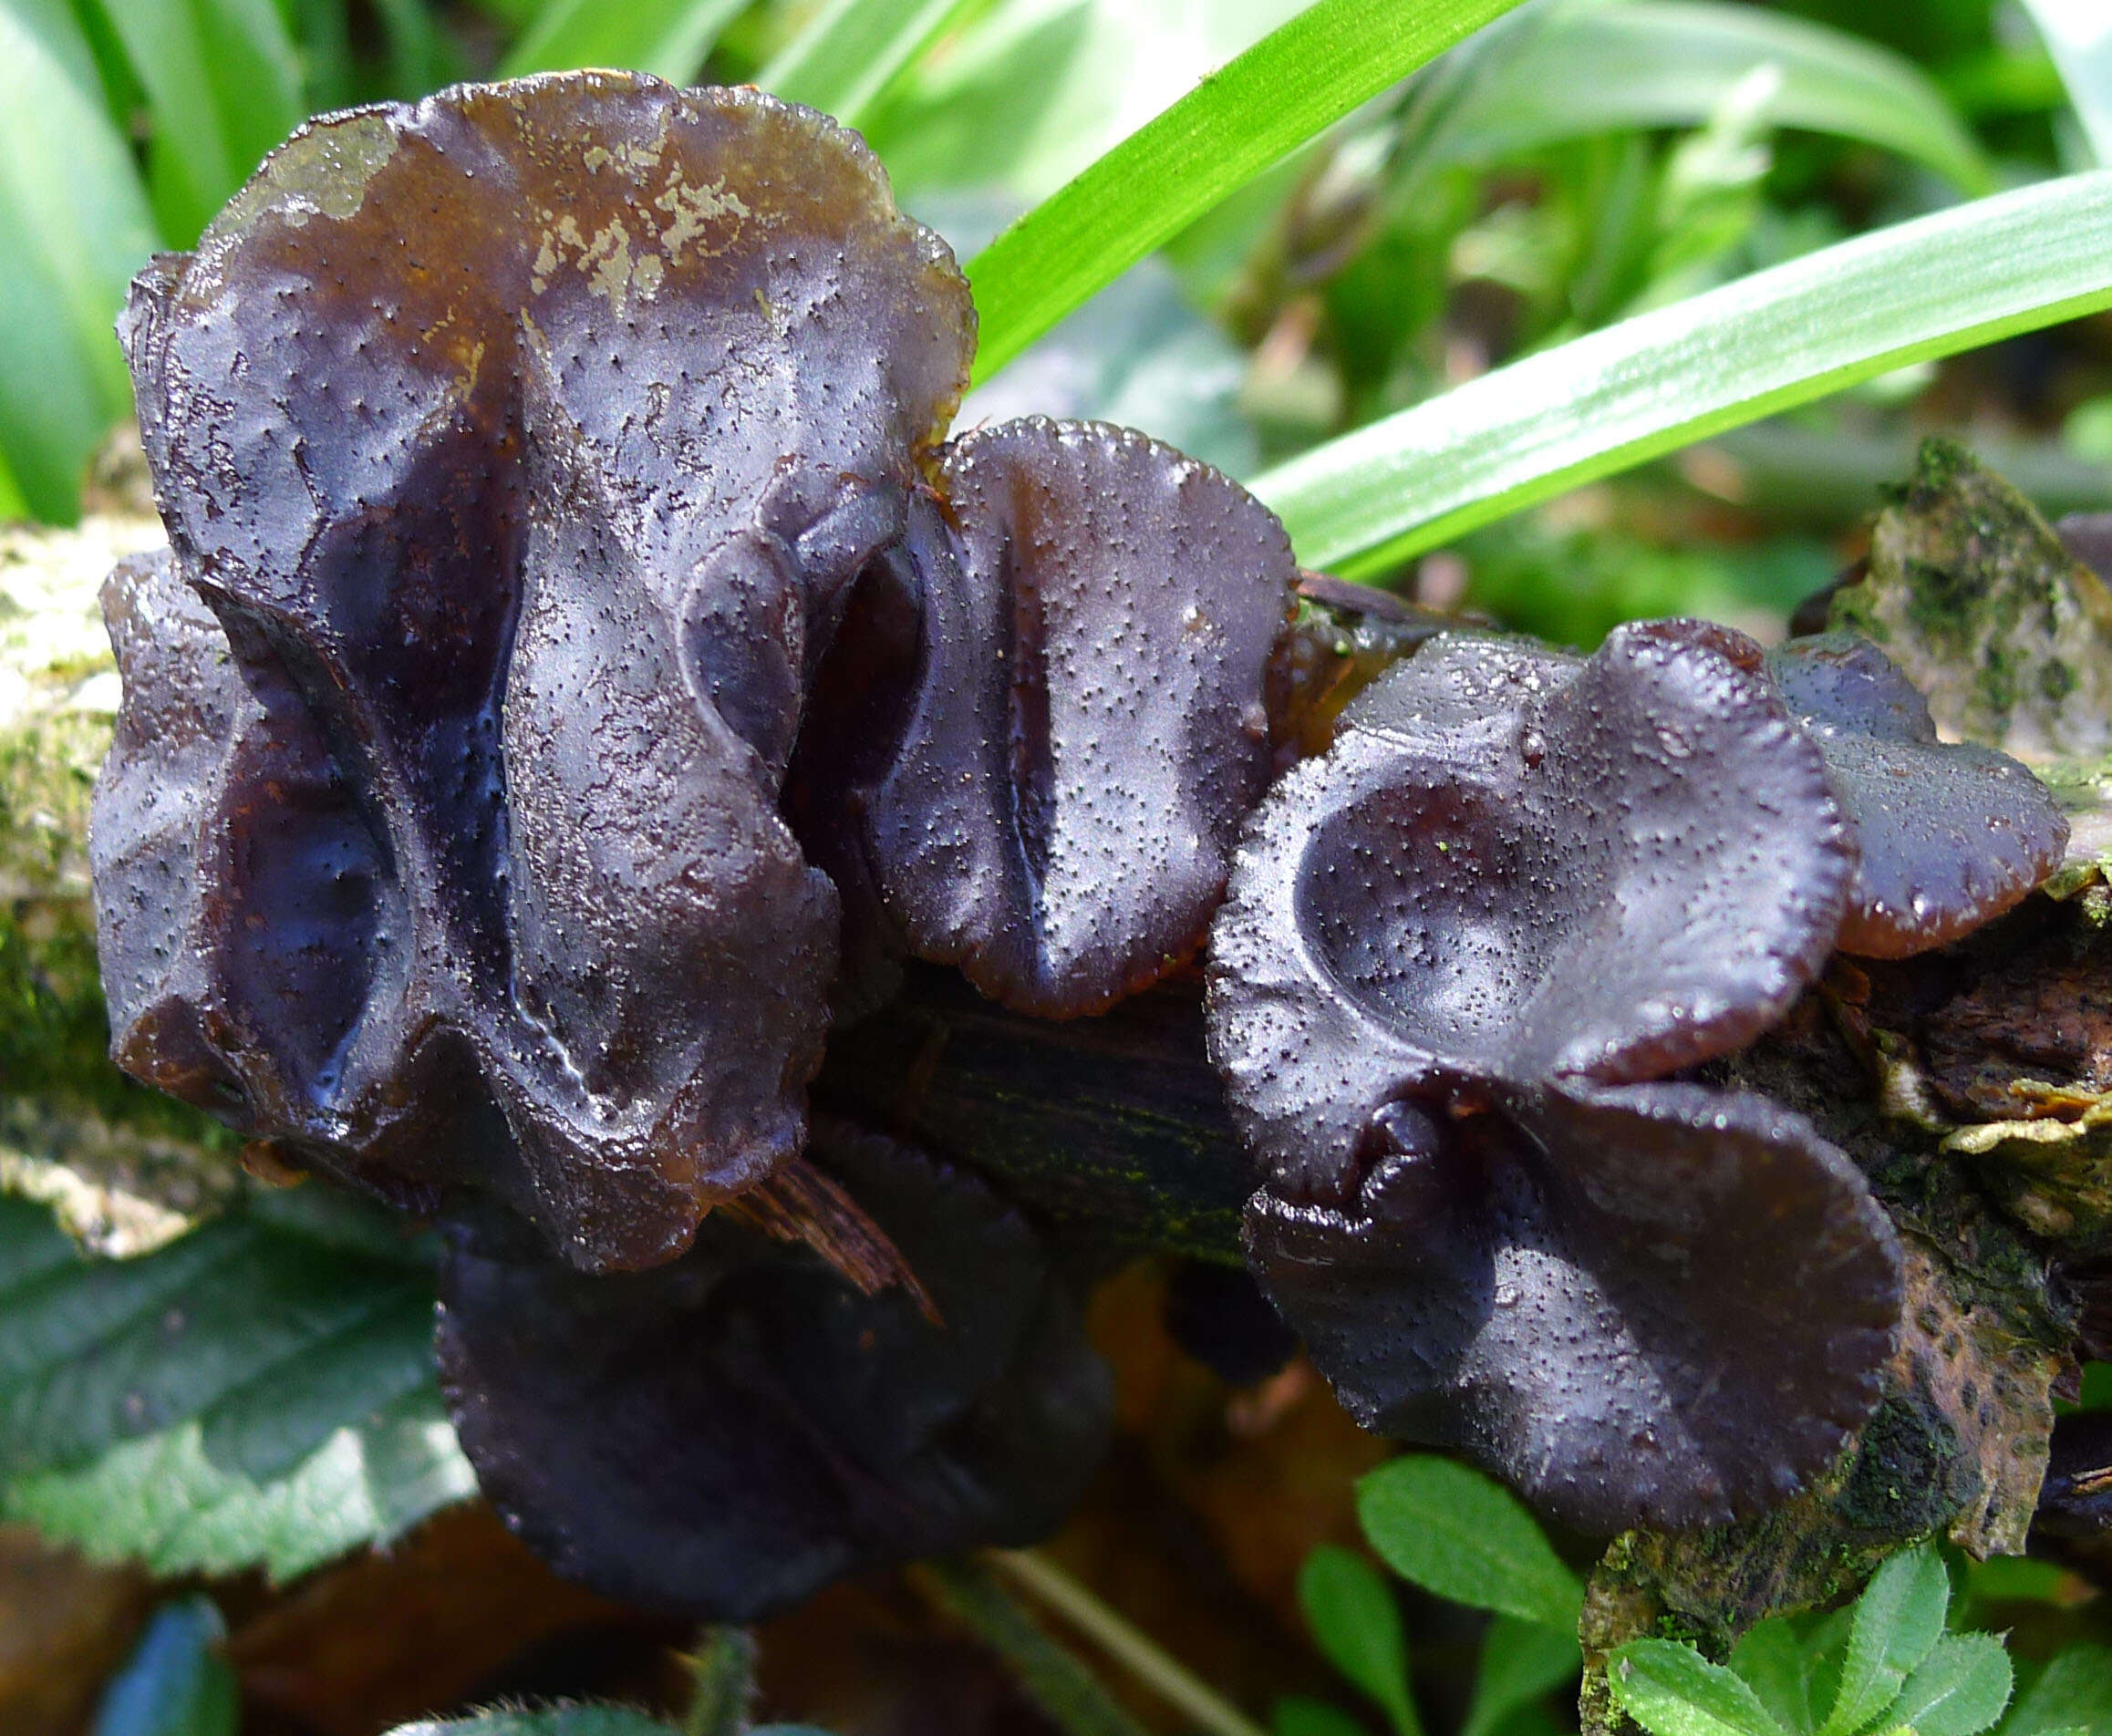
pixel 582 670
pixel 1464 953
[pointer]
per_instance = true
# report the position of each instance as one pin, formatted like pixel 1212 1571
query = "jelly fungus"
pixel 559 463
pixel 725 1434
pixel 1951 835
pixel 1458 948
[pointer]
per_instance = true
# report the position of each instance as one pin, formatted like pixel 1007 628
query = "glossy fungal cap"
pixel 727 1433
pixel 525 443
pixel 1090 722
pixel 1516 867
pixel 1952 835
pixel 1655 1304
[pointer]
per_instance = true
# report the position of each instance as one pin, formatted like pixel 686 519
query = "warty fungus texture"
pixel 557 463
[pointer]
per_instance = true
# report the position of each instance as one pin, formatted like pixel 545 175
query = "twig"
pixel 1133 1651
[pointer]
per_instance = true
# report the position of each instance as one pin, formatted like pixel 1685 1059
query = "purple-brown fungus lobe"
pixel 1458 948
pixel 1951 835
pixel 725 1434
pixel 558 460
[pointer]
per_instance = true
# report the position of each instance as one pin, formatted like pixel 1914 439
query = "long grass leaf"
pixel 844 62
pixel 667 38
pixel 1291 84
pixel 74 226
pixel 2078 34
pixel 1669 63
pixel 1962 277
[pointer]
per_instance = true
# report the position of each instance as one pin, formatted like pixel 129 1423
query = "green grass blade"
pixel 844 62
pixel 1670 63
pixel 1780 337
pixel 1290 86
pixel 74 226
pixel 667 38
pixel 2078 34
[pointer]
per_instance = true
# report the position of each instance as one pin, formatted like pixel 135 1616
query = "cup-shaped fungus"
pixel 1518 886
pixel 728 1433
pixel 1951 835
pixel 559 463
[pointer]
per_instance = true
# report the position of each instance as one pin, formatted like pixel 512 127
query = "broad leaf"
pixel 1290 86
pixel 2075 1688
pixel 74 227
pixel 1776 1665
pixel 259 1392
pixel 1612 400
pixel 175 1683
pixel 1898 1621
pixel 1603 68
pixel 1357 1626
pixel 844 60
pixel 1462 1534
pixel 667 38
pixel 1521 1662
pixel 1958 1690
pixel 1671 1689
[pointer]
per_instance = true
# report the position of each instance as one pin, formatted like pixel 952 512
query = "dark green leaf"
pixel 1521 1662
pixel 258 1391
pixel 1671 1689
pixel 1463 1535
pixel 1357 1626
pixel 1298 1716
pixel 1293 84
pixel 1782 337
pixel 176 1683
pixel 2075 1688
pixel 667 38
pixel 1898 1621
pixel 1958 1690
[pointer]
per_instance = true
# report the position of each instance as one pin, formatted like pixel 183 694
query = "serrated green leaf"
pixel 844 60
pixel 2075 1688
pixel 668 38
pixel 1604 68
pixel 1295 1715
pixel 260 1390
pixel 1357 1626
pixel 1958 1690
pixel 1292 85
pixel 1521 1662
pixel 563 1720
pixel 74 226
pixel 1601 403
pixel 1671 1689
pixel 176 1683
pixel 163 1503
pixel 1776 1665
pixel 1898 1621
pixel 1464 1536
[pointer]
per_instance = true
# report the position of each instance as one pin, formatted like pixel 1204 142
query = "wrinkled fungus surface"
pixel 558 461
pixel 726 1433
pixel 1456 946
pixel 1951 835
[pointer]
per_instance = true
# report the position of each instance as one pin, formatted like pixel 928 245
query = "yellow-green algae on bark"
pixel 124 1169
